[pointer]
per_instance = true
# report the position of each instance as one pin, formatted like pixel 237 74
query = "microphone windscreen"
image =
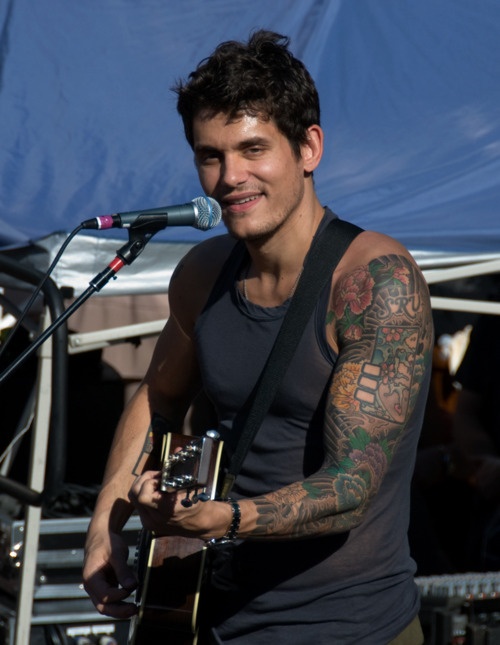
pixel 209 212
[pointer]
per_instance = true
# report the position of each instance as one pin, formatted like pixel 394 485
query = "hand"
pixel 165 513
pixel 107 578
pixel 154 507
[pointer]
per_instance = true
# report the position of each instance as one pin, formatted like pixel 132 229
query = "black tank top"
pixel 356 587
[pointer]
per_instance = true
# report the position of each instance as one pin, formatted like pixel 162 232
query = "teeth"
pixel 244 201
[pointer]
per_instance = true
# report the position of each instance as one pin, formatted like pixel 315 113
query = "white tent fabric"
pixel 409 93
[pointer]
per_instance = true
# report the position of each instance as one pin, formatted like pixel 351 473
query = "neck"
pixel 286 248
pixel 276 264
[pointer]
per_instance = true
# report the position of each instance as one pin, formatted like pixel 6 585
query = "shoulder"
pixel 369 245
pixel 196 273
pixel 377 282
pixel 370 249
pixel 208 255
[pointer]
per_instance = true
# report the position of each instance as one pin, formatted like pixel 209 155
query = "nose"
pixel 234 170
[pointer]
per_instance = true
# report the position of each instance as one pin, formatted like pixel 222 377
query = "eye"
pixel 207 158
pixel 254 151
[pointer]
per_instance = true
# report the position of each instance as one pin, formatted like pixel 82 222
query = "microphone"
pixel 202 212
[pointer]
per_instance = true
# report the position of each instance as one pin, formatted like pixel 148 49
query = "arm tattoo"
pixel 151 455
pixel 147 450
pixel 380 316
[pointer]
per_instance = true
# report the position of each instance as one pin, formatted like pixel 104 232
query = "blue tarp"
pixel 410 97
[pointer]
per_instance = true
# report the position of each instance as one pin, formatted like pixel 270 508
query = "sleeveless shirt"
pixel 355 587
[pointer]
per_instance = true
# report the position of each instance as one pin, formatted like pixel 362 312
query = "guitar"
pixel 171 569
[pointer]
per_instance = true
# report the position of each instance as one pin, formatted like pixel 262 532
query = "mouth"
pixel 240 204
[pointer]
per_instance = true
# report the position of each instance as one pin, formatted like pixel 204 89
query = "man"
pixel 319 527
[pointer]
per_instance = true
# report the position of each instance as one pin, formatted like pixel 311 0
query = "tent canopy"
pixel 409 94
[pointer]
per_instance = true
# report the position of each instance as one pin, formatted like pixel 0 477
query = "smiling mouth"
pixel 240 202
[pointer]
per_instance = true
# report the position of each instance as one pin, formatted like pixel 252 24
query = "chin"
pixel 251 236
pixel 242 229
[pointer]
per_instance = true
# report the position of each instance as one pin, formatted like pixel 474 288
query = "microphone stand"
pixel 24 605
pixel 125 255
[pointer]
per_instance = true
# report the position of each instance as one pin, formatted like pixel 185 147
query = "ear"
pixel 312 149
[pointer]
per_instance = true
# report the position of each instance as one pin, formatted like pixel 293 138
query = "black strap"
pixel 323 257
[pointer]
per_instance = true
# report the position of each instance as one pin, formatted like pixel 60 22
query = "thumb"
pixel 125 575
pixel 127 579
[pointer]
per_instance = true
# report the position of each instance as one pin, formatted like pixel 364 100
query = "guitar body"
pixel 171 569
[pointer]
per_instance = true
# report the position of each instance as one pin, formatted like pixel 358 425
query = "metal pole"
pixel 33 515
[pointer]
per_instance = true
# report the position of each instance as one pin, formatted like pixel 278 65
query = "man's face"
pixel 248 166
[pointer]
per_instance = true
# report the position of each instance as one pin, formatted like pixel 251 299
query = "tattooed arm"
pixel 380 321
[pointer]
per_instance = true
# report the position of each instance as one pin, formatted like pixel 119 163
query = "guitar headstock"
pixel 191 464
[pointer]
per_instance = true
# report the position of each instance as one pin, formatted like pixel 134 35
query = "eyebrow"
pixel 246 143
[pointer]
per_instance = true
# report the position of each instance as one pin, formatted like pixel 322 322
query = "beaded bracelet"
pixel 232 532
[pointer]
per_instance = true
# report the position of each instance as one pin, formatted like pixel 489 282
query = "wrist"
pixel 232 530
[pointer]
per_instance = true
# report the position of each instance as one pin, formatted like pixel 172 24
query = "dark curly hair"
pixel 261 78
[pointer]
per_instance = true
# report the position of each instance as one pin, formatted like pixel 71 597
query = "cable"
pixel 37 290
pixel 55 635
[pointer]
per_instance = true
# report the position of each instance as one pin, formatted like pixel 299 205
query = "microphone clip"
pixel 124 255
pixel 137 240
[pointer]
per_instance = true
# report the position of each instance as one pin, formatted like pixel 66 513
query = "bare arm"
pixel 108 579
pixel 171 381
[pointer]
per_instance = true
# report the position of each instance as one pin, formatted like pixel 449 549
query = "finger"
pixel 149 494
pixel 145 491
pixel 126 577
pixel 147 475
pixel 141 479
pixel 109 600
pixel 119 610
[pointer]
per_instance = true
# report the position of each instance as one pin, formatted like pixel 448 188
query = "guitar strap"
pixel 325 253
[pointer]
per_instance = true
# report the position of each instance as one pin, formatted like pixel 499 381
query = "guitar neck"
pixel 172 569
